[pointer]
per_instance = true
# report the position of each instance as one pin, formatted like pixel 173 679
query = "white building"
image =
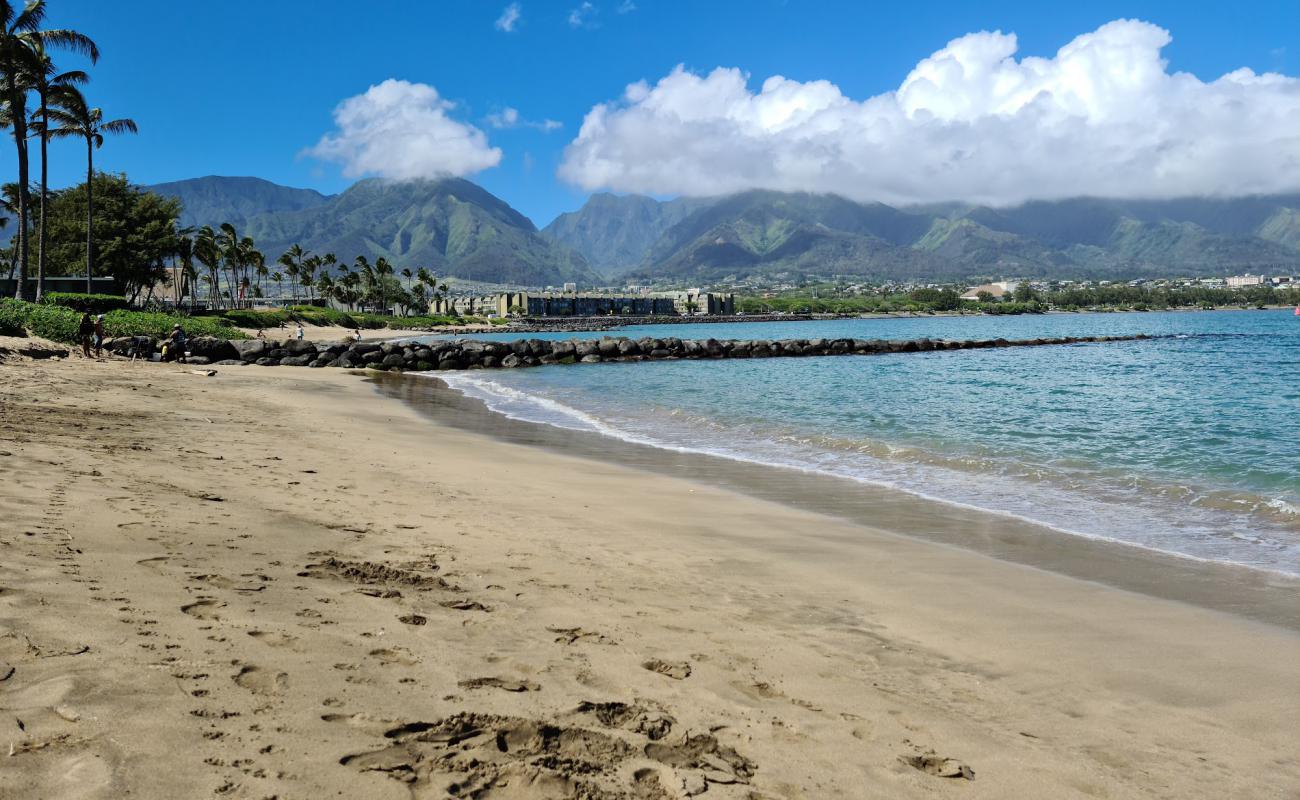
pixel 1238 281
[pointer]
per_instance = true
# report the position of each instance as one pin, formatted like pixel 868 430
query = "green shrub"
pixel 11 320
pixel 60 324
pixel 158 325
pixel 248 318
pixel 94 303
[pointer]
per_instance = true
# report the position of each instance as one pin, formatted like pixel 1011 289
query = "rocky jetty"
pixel 452 354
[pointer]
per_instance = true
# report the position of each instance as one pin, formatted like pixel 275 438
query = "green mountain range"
pixel 453 227
pixel 458 229
pixel 775 234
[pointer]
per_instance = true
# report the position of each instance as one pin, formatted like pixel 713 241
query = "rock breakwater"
pixel 455 354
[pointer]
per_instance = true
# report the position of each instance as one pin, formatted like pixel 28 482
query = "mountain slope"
pixel 774 233
pixel 615 232
pixel 216 199
pixel 768 233
pixel 453 227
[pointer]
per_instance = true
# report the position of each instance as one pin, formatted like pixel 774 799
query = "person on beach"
pixel 300 332
pixel 261 334
pixel 85 330
pixel 174 349
pixel 99 336
pixel 356 335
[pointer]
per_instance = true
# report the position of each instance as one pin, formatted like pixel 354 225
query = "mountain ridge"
pixel 763 233
pixel 459 229
pixel 452 226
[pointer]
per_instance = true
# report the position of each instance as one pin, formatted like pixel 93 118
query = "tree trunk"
pixel 45 180
pixel 20 139
pixel 90 213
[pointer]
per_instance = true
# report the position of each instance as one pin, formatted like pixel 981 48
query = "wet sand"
pixel 284 583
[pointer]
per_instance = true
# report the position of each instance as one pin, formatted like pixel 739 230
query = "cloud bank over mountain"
pixel 403 130
pixel 1104 117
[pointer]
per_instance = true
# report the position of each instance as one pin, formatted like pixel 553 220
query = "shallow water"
pixel 1186 445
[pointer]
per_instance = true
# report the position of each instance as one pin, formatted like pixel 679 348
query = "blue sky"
pixel 243 88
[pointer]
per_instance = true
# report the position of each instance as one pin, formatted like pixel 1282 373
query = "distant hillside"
pixel 615 232
pixel 234 200
pixel 452 226
pixel 763 233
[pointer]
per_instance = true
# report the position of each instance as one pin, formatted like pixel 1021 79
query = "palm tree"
pixel 209 255
pixel 183 264
pixel 46 79
pixel 9 205
pixel 21 38
pixel 292 261
pixel 382 271
pixel 75 118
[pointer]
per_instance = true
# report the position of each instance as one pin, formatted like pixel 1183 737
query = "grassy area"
pixel 60 324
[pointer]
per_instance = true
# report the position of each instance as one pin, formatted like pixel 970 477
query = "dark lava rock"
pixel 250 350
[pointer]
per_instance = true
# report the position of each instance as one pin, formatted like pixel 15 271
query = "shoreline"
pixel 284 583
pixel 1266 596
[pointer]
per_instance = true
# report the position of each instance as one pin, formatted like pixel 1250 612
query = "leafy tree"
pixel 1025 293
pixel 76 118
pixel 135 231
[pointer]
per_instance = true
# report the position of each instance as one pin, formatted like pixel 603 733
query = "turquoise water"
pixel 1188 445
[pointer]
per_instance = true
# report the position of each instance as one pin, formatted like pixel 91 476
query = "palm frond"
pixel 70 40
pixel 119 126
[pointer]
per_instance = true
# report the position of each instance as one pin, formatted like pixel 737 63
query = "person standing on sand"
pixel 85 330
pixel 300 332
pixel 99 336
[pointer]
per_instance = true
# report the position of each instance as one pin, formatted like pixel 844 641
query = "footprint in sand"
pixel 677 670
pixel 939 766
pixel 464 605
pixel 395 655
pixel 574 635
pixel 505 684
pixel 275 639
pixel 203 609
pixel 366 722
pixel 412 619
pixel 500 756
pixel 262 681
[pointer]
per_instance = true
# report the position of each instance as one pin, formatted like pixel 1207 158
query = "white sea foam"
pixel 973 491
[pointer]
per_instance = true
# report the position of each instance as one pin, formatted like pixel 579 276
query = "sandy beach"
pixel 283 583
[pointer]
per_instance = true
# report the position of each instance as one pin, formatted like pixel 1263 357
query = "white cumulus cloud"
pixel 1103 117
pixel 402 130
pixel 509 118
pixel 509 18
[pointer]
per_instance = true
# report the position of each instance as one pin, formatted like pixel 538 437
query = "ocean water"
pixel 1188 444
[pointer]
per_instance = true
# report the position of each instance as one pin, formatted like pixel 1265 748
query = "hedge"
pixel 94 303
pixel 248 318
pixel 60 324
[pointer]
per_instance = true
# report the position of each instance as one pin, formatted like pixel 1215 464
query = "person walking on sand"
pixel 99 336
pixel 85 330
